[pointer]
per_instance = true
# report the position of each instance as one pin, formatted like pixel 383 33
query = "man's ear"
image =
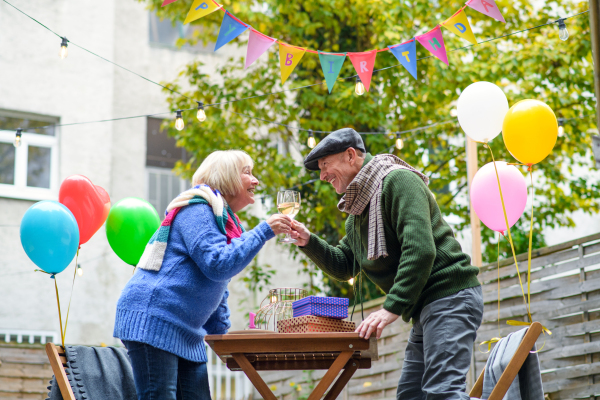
pixel 351 154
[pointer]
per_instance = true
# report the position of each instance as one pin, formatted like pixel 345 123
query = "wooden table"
pixel 294 351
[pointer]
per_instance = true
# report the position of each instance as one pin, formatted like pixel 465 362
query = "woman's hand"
pixel 300 233
pixel 280 223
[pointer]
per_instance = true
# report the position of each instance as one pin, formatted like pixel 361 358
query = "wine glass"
pixel 288 203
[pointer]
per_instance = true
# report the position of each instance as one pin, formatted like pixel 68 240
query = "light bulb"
pixel 311 139
pixel 179 121
pixel 274 299
pixel 201 115
pixel 64 51
pixel 79 270
pixel 399 144
pixel 563 33
pixel 561 128
pixel 18 137
pixel 359 88
pixel 351 281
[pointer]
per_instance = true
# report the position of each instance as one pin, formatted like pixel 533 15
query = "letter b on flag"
pixel 288 59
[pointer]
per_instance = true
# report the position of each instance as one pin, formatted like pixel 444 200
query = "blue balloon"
pixel 50 235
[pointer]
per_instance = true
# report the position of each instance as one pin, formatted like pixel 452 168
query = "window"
pixel 165 33
pixel 29 171
pixel 161 155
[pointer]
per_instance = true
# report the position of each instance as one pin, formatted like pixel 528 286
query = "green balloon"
pixel 129 226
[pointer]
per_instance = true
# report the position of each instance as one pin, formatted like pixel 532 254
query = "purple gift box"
pixel 331 307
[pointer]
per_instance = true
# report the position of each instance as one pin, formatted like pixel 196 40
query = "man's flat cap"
pixel 334 143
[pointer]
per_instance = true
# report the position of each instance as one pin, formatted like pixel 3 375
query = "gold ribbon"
pixel 62 334
pixel 527 305
pixel 496 339
pixel 489 344
pixel 71 297
pixel 544 331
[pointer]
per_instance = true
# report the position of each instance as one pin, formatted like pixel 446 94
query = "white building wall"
pixel 81 88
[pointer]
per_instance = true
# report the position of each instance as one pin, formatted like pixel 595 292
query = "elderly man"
pixel 396 236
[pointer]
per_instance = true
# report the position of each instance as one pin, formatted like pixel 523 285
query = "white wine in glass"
pixel 288 203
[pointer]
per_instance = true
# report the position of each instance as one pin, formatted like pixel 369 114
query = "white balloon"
pixel 481 109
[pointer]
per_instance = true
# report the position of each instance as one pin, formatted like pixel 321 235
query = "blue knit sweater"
pixel 174 308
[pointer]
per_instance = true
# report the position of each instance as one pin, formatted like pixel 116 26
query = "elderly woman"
pixel 179 292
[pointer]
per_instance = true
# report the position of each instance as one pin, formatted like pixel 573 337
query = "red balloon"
pixel 89 204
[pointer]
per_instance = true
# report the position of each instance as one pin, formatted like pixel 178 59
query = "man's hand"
pixel 375 322
pixel 300 233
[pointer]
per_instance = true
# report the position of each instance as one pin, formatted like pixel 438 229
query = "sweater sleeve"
pixel 218 323
pixel 336 261
pixel 407 205
pixel 208 247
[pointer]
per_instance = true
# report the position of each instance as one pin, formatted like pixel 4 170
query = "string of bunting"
pixel 456 21
pixel 331 63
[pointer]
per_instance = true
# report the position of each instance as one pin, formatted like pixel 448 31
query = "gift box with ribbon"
pixel 330 307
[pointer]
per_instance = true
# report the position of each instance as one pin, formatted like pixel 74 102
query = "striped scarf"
pixel 366 188
pixel 228 223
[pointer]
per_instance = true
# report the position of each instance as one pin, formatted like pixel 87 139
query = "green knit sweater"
pixel 424 262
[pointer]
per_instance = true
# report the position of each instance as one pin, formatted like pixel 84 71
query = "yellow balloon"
pixel 529 131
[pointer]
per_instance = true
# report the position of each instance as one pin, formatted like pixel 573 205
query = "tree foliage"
pixel 531 64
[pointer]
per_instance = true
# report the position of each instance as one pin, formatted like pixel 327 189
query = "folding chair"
pixel 58 361
pixel 513 367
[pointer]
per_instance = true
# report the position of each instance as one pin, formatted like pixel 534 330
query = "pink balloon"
pixel 485 196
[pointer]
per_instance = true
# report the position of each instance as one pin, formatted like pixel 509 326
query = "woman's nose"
pixel 255 181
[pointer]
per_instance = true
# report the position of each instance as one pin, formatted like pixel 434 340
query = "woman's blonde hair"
pixel 222 170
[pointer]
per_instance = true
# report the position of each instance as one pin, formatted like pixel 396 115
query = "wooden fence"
pixel 565 297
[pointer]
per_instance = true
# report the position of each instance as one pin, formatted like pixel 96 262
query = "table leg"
pixel 338 386
pixel 254 377
pixel 330 375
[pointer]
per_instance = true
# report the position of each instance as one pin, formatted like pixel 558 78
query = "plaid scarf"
pixel 366 188
pixel 227 221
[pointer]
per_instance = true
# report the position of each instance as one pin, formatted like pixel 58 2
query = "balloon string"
pixel 71 297
pixel 499 285
pixel 509 234
pixel 62 335
pixel 530 240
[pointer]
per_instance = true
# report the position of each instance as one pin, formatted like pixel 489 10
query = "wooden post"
pixel 595 36
pixel 475 223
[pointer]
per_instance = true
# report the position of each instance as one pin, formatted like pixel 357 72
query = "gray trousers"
pixel 438 354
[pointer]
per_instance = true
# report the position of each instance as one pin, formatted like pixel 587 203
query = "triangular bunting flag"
pixel 199 9
pixel 231 27
pixel 434 42
pixel 363 64
pixel 289 57
pixel 486 7
pixel 406 53
pixel 459 25
pixel 167 2
pixel 332 65
pixel 257 45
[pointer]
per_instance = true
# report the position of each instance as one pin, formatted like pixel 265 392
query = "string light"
pixel 399 142
pixel 201 114
pixel 179 121
pixel 359 88
pixel 311 139
pixel 64 52
pixel 563 33
pixel 79 270
pixel 18 137
pixel 561 128
pixel 351 281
